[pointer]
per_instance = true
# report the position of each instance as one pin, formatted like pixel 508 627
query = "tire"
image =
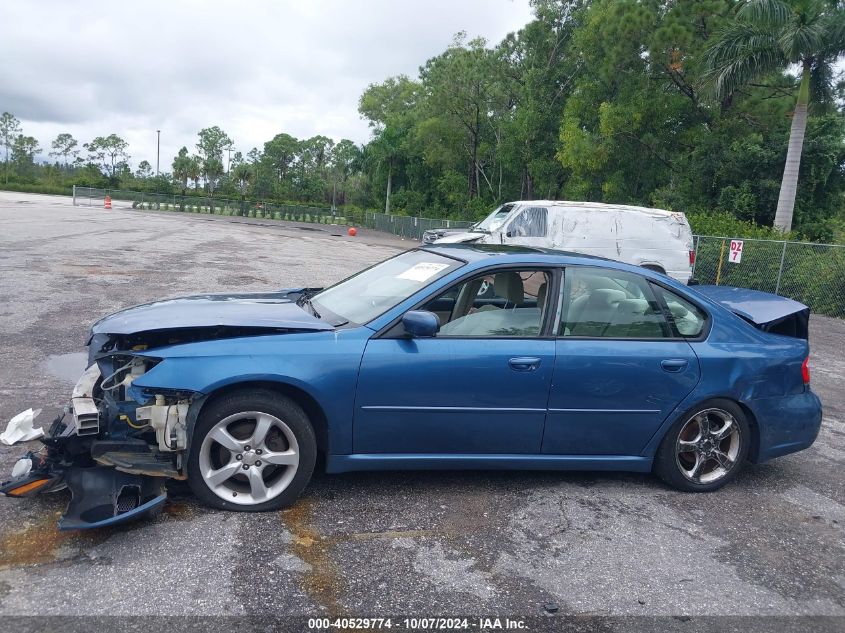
pixel 251 451
pixel 694 461
pixel 655 268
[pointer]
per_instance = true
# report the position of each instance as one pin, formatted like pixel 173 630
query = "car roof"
pixel 509 253
pixel 481 255
pixel 599 206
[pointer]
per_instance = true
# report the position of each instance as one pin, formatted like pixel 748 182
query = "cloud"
pixel 254 68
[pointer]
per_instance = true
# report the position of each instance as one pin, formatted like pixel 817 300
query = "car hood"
pixel 460 238
pixel 273 310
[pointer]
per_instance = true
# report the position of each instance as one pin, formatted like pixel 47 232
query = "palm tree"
pixel 772 35
pixel 194 171
pixel 182 169
pixel 243 175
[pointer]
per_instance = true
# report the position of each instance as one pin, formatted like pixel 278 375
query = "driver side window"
pixel 509 303
pixel 531 222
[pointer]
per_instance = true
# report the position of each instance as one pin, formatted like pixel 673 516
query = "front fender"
pixel 323 364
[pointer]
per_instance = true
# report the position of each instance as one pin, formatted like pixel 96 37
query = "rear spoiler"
pixel 765 311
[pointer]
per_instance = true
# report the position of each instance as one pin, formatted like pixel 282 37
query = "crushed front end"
pixel 114 446
pixel 117 442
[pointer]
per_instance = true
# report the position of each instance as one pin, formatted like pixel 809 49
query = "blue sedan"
pixel 440 357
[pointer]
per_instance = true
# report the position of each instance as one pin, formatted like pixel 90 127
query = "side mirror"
pixel 421 324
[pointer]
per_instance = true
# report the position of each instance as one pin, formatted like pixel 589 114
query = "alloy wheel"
pixel 708 445
pixel 249 458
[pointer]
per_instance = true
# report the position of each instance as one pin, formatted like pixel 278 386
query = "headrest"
pixel 596 282
pixel 606 296
pixel 509 286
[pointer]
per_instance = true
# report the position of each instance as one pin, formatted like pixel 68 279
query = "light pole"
pixel 158 148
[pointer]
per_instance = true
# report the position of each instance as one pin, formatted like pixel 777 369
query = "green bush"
pixel 33 188
pixel 726 225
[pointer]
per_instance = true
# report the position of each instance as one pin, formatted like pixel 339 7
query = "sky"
pixel 255 67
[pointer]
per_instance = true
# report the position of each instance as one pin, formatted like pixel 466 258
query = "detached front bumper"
pixel 113 476
pixel 100 495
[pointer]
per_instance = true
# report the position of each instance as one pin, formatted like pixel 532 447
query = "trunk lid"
pixel 765 311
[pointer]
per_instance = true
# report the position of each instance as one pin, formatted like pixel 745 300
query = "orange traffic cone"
pixel 107 202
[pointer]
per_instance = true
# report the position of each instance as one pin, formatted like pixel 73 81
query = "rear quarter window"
pixel 688 318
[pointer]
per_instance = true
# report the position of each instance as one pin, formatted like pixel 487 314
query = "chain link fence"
pixel 813 274
pixel 404 226
pixel 407 226
pixel 87 196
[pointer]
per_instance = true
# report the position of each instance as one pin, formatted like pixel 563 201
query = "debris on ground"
pixel 20 428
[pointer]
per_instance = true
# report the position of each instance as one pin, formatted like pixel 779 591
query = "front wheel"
pixel 705 449
pixel 251 451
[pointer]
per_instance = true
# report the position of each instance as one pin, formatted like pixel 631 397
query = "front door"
pixel 479 387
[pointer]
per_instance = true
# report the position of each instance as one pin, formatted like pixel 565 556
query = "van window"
pixel 495 219
pixel 531 222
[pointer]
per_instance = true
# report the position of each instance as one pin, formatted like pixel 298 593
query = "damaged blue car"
pixel 449 357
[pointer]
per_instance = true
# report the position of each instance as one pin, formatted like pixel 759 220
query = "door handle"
pixel 524 363
pixel 674 364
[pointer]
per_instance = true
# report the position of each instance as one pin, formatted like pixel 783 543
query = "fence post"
pixel 695 250
pixel 74 195
pixel 721 257
pixel 780 269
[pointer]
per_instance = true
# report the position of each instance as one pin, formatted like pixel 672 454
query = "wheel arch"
pixel 316 414
pixel 753 448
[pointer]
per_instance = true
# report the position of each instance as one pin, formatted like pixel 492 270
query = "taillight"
pixel 692 258
pixel 805 370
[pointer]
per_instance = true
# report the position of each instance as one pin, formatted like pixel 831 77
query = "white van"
pixel 652 238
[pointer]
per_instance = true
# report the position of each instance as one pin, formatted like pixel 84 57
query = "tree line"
pixel 687 105
pixel 316 169
pixel 718 108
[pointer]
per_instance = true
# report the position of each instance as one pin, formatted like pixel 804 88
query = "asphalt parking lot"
pixel 772 543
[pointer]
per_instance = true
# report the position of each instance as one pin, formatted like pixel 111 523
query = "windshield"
pixel 495 219
pixel 370 293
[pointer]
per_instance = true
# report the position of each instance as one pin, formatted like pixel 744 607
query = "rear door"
pixel 620 367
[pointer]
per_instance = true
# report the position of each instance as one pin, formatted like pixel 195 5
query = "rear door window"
pixel 602 303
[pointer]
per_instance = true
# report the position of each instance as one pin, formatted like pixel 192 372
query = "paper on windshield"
pixel 422 271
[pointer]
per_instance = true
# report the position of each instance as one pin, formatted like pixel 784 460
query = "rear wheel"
pixel 655 268
pixel 251 451
pixel 705 449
